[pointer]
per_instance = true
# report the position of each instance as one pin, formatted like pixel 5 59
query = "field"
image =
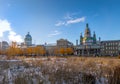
pixel 60 70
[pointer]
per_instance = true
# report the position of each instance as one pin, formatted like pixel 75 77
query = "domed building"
pixel 28 40
pixel 88 39
pixel 88 44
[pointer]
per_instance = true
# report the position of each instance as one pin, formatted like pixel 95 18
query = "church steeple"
pixel 94 37
pixel 87 31
pixel 87 25
pixel 81 39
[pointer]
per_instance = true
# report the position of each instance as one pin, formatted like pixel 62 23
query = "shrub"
pixel 118 57
pixel 88 79
pixel 20 81
pixel 115 76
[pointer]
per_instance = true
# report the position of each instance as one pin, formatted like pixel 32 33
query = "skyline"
pixel 50 20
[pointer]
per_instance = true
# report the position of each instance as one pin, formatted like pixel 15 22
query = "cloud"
pixel 77 20
pixel 70 20
pixel 54 33
pixel 14 37
pixel 5 26
pixel 68 16
pixel 60 23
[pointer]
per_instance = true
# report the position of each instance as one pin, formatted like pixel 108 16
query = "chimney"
pixel 76 42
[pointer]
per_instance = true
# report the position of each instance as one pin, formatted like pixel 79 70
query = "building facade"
pixel 4 45
pixel 28 40
pixel 64 43
pixel 110 47
pixel 89 45
pixel 50 49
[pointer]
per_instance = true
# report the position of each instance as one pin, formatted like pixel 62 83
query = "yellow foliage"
pixel 69 51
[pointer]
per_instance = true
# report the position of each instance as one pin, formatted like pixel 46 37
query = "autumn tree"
pixel 14 50
pixel 38 50
pixel 11 51
pixel 42 51
pixel 69 51
pixel 56 51
pixel 62 51
pixel 29 51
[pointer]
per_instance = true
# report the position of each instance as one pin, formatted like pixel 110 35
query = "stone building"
pixel 110 47
pixel 64 43
pixel 4 45
pixel 28 40
pixel 89 45
pixel 50 48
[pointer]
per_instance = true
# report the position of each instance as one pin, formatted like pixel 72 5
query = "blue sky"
pixel 50 20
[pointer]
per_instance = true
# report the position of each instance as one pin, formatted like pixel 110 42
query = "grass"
pixel 71 70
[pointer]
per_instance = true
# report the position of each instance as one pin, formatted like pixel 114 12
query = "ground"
pixel 59 70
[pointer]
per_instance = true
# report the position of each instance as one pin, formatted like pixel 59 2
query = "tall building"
pixel 88 44
pixel 28 40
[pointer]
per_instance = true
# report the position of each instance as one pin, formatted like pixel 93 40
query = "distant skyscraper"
pixel 28 40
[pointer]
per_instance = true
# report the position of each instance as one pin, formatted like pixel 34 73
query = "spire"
pixel 87 25
pixel 87 31
pixel 81 38
pixel 80 34
pixel 94 37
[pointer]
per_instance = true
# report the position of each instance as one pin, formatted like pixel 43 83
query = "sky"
pixel 50 20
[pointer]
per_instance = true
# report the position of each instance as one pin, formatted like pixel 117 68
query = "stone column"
pixel 82 52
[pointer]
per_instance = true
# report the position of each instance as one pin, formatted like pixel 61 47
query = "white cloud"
pixel 60 23
pixel 77 20
pixel 12 36
pixel 68 16
pixel 70 20
pixel 54 33
pixel 4 26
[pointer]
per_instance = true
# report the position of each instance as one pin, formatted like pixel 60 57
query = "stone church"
pixel 89 45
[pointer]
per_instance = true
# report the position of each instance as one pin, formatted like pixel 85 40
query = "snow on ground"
pixel 10 60
pixel 47 70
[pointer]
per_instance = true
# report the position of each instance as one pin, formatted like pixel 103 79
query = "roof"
pixel 28 36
